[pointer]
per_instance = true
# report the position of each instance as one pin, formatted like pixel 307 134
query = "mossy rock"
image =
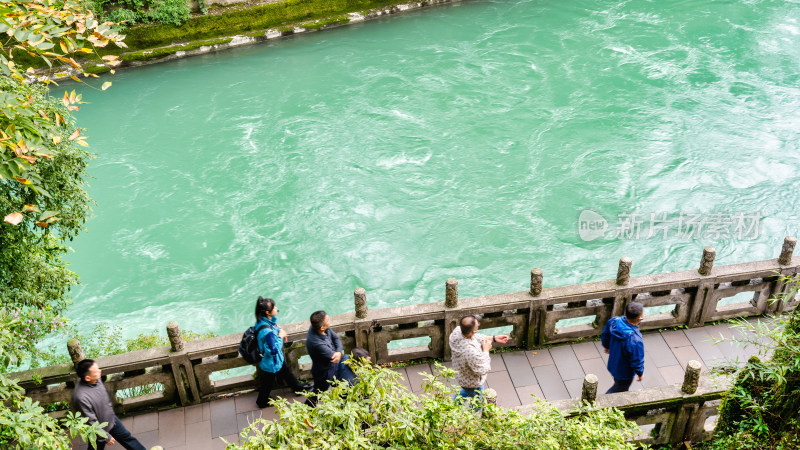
pixel 96 69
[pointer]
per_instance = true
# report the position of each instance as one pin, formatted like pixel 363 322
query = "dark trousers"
pixel 322 380
pixel 468 393
pixel 620 386
pixel 344 372
pixel 266 381
pixel 122 436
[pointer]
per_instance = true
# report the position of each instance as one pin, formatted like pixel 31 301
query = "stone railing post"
pixel 450 317
pixel 624 271
pixel 589 391
pixel 702 304
pixel 75 351
pixel 182 368
pixel 451 293
pixel 364 337
pixel 175 338
pixel 786 252
pixel 360 296
pixel 537 277
pixel 537 311
pixel 707 262
pixel 622 297
pixel 692 377
pixel 782 290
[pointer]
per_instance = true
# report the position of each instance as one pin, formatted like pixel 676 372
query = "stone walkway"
pixel 518 376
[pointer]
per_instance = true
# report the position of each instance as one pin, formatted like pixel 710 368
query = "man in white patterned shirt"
pixel 470 352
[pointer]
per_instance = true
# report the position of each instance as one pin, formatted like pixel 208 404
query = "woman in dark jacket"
pixel 270 344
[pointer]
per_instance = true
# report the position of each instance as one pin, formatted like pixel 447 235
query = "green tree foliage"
pixel 34 277
pixel 23 423
pixel 379 413
pixel 55 31
pixel 42 201
pixel 42 161
pixel 32 129
pixel 761 410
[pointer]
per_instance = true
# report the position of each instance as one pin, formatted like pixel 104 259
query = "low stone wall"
pixel 185 369
pixel 668 414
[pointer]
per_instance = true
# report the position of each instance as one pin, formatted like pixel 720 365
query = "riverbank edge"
pixel 156 55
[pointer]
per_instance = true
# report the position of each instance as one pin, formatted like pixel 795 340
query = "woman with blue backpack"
pixel 270 338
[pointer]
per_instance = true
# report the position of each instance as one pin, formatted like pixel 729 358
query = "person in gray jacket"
pixel 91 399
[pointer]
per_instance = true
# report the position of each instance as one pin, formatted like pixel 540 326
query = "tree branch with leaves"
pixel 56 32
pixel 43 158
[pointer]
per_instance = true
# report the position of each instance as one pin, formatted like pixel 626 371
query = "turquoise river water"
pixel 462 141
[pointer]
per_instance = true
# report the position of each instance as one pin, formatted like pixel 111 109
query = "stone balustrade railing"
pixel 184 370
pixel 666 415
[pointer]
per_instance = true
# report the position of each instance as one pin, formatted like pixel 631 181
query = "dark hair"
pixel 317 319
pixel 360 353
pixel 468 324
pixel 264 306
pixel 634 310
pixel 82 368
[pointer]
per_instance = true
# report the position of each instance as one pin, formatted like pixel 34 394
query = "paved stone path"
pixel 551 374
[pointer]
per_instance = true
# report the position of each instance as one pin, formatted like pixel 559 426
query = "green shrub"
pixel 131 12
pixel 379 413
pixel 760 410
pixel 121 15
pixel 174 12
pixel 96 7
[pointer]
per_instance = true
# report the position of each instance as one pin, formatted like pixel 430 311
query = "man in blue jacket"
pixel 622 340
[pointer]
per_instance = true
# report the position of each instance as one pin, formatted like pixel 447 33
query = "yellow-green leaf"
pixel 47 214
